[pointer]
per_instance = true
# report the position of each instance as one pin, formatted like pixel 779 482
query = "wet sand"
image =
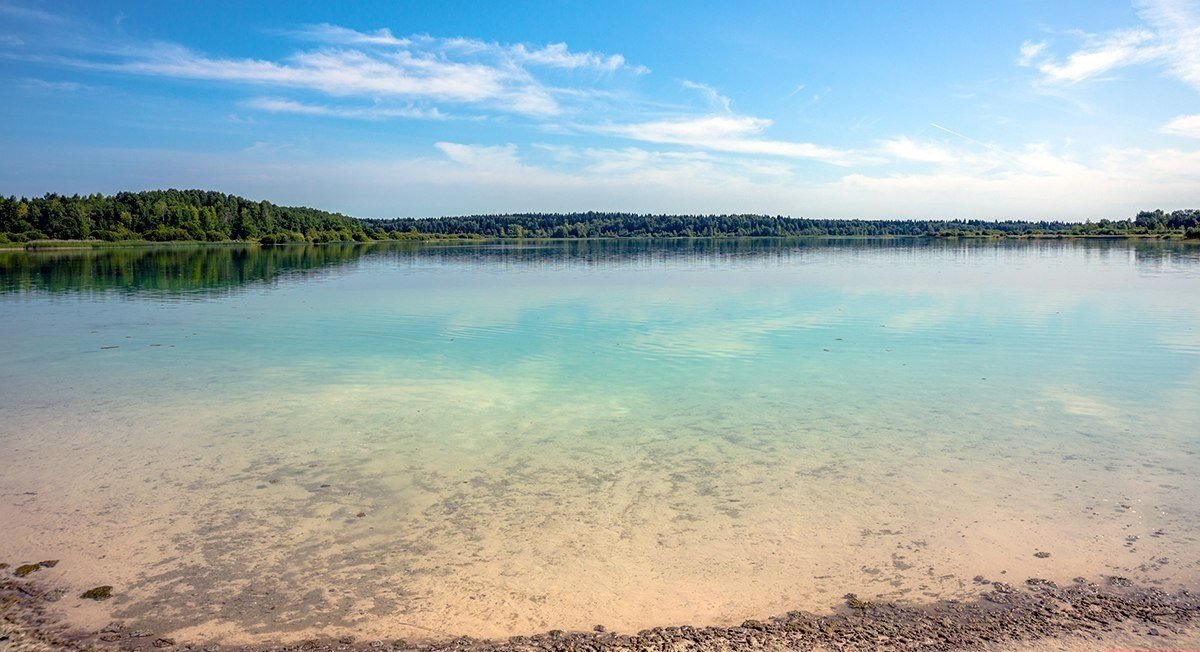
pixel 1038 614
pixel 293 559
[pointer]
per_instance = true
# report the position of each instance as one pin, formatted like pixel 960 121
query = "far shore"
pixel 44 245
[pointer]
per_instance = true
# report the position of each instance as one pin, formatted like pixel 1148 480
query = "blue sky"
pixel 988 110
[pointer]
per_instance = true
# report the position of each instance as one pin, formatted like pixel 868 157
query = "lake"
pixel 495 439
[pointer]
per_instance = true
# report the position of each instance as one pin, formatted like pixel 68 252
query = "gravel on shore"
pixel 1037 610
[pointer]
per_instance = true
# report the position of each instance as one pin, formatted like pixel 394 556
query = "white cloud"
pixel 483 157
pixel 553 55
pixel 1035 182
pixel 907 149
pixel 556 55
pixel 376 64
pixel 276 105
pixel 1177 23
pixel 326 33
pixel 1121 48
pixel 669 167
pixel 727 133
pixel 1170 39
pixel 344 73
pixel 693 130
pixel 1112 183
pixel 1184 125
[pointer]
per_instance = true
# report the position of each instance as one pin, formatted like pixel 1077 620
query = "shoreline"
pixel 60 245
pixel 1084 612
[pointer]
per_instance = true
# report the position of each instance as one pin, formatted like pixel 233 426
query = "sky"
pixel 1018 109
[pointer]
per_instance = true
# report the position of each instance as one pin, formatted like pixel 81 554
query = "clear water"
pixel 483 439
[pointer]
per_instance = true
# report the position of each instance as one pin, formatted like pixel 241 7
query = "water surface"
pixel 494 439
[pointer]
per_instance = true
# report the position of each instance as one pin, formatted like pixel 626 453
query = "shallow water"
pixel 431 440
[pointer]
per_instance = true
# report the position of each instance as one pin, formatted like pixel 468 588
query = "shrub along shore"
pixel 201 216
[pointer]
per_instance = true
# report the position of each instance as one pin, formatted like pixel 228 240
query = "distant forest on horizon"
pixel 201 215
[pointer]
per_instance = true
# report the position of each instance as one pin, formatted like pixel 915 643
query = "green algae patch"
pixel 26 569
pixel 98 593
pixel 853 602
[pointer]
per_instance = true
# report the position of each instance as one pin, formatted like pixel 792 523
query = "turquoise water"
pixel 563 434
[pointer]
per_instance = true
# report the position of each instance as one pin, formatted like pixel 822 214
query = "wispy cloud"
pixel 552 55
pixel 1170 38
pixel 28 13
pixel 342 73
pixel 373 64
pixel 1030 52
pixel 1184 125
pixel 734 134
pixel 267 147
pixel 481 156
pixel 338 35
pixel 1100 55
pixel 1177 23
pixel 714 97
pixel 35 84
pixel 277 105
pixel 556 55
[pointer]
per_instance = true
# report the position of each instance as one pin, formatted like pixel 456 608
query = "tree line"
pixel 200 215
pixel 170 215
pixel 631 225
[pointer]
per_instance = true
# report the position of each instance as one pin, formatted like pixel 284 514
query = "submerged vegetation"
pixel 25 569
pixel 207 216
pixel 97 593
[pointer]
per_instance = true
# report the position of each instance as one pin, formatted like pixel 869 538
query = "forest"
pixel 630 225
pixel 208 216
pixel 171 215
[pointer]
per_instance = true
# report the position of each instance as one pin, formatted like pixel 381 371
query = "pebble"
pixel 1038 609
